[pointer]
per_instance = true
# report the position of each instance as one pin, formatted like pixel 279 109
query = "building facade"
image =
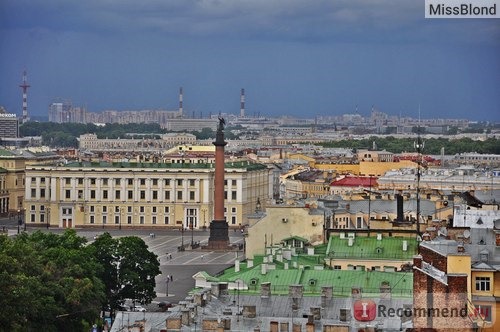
pixel 9 126
pixel 92 143
pixel 135 195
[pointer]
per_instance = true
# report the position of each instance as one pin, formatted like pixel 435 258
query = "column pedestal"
pixel 219 238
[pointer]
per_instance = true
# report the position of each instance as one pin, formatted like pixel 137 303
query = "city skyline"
pixel 292 58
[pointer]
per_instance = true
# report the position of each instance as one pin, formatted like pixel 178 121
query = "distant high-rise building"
pixel 59 111
pixel 9 125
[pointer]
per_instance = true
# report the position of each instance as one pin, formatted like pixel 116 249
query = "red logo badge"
pixel 364 310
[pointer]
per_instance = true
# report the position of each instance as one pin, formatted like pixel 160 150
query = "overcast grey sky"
pixel 296 57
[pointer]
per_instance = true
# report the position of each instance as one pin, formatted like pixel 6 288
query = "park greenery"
pixel 56 282
pixel 432 146
pixel 59 135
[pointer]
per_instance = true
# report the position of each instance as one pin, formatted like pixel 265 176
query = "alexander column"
pixel 219 235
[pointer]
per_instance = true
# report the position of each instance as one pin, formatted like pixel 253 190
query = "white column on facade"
pixel 88 187
pixel 124 193
pixel 74 192
pixel 148 190
pixel 27 189
pixel 137 183
pixel 239 196
pixel 197 190
pixel 161 190
pixel 228 189
pixel 53 188
pixel 185 189
pixel 206 191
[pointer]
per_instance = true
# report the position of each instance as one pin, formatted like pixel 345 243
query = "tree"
pixel 129 269
pixel 48 282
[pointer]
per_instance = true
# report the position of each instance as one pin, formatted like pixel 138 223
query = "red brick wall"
pixel 431 257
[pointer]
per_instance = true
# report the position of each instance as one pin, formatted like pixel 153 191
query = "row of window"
pixel 130 194
pixel 130 182
pixel 142 209
pixel 191 219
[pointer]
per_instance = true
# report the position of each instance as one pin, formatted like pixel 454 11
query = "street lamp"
pixel 121 215
pixel 192 233
pixel 19 221
pixel 182 238
pixel 203 211
pixel 48 217
pixel 167 282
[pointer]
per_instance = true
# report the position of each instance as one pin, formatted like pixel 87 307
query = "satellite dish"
pixel 192 314
pixel 466 234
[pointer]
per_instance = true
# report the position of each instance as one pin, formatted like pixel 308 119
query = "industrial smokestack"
pixel 242 103
pixel 399 208
pixel 180 102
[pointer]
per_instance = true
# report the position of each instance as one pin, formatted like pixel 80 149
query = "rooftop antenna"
pixel 419 146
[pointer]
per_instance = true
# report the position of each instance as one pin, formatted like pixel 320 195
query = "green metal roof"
pixel 401 283
pixel 370 248
pixel 5 153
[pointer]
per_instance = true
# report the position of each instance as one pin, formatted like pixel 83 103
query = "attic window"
pixel 479 221
pixel 378 250
pixel 254 281
pixel 312 282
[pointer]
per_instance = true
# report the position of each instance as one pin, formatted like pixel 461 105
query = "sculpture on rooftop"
pixel 222 124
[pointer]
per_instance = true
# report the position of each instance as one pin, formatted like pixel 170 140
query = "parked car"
pixel 124 308
pixel 164 305
pixel 139 308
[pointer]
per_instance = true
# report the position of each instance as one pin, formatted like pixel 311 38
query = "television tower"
pixel 25 87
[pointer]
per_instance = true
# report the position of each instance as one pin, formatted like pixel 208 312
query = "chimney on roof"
pixel 265 290
pixel 326 295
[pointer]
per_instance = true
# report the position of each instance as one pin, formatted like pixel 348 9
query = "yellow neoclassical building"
pixel 135 195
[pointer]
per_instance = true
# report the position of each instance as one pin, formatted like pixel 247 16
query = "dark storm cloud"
pixel 291 55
